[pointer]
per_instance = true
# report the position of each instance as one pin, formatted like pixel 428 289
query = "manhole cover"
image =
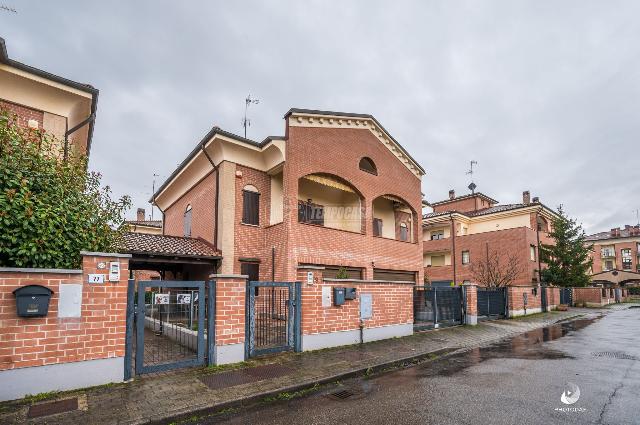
pixel 52 407
pixel 342 394
pixel 614 355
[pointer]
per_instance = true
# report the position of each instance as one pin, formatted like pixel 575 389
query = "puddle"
pixel 527 346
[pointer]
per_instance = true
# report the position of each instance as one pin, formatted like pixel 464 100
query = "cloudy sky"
pixel 544 95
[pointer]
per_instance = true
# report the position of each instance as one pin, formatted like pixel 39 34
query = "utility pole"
pixel 246 122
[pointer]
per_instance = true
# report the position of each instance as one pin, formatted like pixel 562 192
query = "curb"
pixel 378 368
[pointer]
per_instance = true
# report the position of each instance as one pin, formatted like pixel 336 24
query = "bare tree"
pixel 496 270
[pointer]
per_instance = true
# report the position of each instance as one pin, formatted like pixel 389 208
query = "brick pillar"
pixel 471 307
pixel 230 317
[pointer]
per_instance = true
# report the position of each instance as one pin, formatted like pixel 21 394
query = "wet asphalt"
pixel 516 381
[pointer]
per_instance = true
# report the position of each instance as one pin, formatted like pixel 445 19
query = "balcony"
pixel 328 201
pixel 392 219
pixel 608 253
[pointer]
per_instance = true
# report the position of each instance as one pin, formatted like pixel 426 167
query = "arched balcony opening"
pixel 329 201
pixel 393 219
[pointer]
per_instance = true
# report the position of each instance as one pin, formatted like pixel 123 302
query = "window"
pixel 626 259
pixel 543 225
pixel 437 260
pixel 377 227
pixel 404 232
pixel 465 257
pixel 250 207
pixel 532 252
pixel 437 235
pixel 187 221
pixel 608 265
pixel 311 213
pixel 331 272
pixel 608 251
pixel 394 275
pixel 367 164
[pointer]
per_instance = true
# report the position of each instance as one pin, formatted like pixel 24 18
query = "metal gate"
pixel 492 303
pixel 566 296
pixel 165 325
pixel 273 317
pixel 434 307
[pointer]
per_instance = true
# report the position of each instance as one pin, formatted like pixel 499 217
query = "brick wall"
pixel 338 152
pixel 516 298
pixel 24 114
pixel 201 197
pixel 392 305
pixel 36 341
pixel 230 311
pixel 506 242
pixel 591 296
pixel 598 261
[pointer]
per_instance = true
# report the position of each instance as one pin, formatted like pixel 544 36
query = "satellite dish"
pixel 472 187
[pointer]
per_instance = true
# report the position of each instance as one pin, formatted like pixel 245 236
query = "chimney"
pixel 536 200
pixel 526 197
pixel 615 232
pixel 452 194
pixel 140 214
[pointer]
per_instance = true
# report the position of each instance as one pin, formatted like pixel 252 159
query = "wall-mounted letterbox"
pixel 338 296
pixel 349 293
pixel 32 300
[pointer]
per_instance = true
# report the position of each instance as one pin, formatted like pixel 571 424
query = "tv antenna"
pixel 637 211
pixel 246 122
pixel 8 8
pixel 153 192
pixel 472 186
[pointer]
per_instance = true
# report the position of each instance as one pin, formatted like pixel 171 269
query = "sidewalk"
pixel 188 392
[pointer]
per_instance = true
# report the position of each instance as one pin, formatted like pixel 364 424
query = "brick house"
pixel 616 256
pixel 464 229
pixel 335 191
pixel 44 101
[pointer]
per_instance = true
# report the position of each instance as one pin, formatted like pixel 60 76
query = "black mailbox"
pixel 349 293
pixel 338 296
pixel 32 300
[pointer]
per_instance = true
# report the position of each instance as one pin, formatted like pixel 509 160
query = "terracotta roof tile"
pixel 141 243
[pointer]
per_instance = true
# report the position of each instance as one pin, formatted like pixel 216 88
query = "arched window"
pixel 367 164
pixel 251 205
pixel 187 221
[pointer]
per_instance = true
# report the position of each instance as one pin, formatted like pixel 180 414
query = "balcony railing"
pixel 606 253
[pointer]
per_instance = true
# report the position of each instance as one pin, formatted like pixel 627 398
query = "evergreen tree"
pixel 568 260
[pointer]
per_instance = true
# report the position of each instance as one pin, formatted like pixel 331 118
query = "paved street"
pixel 519 380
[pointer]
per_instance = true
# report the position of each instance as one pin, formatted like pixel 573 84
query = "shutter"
pixel 394 275
pixel 252 270
pixel 377 227
pixel 250 207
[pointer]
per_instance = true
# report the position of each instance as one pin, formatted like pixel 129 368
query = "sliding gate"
pixel 273 317
pixel 435 307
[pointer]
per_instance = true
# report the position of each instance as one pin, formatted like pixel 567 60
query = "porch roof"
pixel 169 246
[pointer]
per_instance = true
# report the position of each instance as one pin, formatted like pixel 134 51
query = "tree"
pixel 496 270
pixel 567 259
pixel 50 208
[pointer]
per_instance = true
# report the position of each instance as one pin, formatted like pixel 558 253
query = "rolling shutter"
pixel 394 275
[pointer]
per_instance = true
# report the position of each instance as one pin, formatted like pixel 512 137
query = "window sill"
pixel 250 225
pixel 392 239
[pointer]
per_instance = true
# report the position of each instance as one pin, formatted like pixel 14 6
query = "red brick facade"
pixel 201 197
pixel 23 113
pixel 98 334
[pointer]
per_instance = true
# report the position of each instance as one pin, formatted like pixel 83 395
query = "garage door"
pixel 394 275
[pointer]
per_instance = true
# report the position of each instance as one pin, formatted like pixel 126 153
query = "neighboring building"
pixel 44 101
pixel 335 191
pixel 616 256
pixel 462 230
pixel 143 225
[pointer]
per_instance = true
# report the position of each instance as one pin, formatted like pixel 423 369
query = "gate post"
pixel 230 318
pixel 211 322
pixel 128 341
pixel 471 303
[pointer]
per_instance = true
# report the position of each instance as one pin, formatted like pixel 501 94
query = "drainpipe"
pixel 538 239
pixel 67 133
pixel 215 213
pixel 453 248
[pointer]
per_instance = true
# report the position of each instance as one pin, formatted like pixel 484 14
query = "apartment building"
pixel 465 229
pixel 616 255
pixel 44 101
pixel 336 191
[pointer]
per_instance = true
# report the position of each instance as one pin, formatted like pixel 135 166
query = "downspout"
pixel 453 252
pixel 215 213
pixel 543 297
pixel 67 133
